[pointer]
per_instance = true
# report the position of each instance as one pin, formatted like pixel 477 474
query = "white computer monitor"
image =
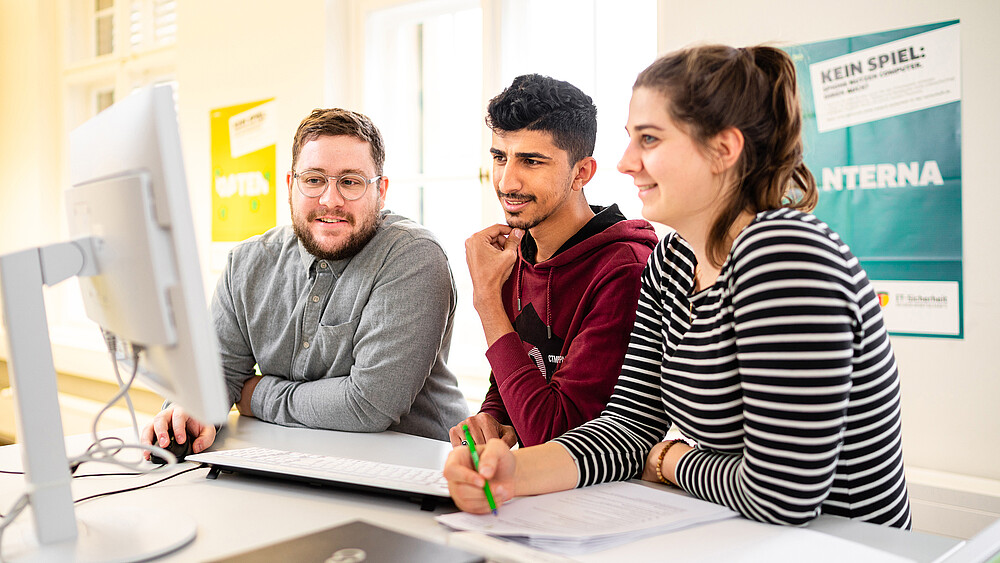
pixel 129 193
pixel 133 250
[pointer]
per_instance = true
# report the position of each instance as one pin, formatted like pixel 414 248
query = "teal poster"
pixel 882 130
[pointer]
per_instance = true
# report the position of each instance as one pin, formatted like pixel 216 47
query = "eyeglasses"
pixel 313 183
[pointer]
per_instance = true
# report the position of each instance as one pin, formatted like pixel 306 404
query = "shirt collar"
pixel 336 266
pixel 309 261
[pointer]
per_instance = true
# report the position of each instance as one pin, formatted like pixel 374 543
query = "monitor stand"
pixel 55 532
pixel 106 534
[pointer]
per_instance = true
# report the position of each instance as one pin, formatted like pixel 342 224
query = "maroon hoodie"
pixel 573 316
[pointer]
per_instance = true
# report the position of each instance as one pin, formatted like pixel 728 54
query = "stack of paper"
pixel 591 518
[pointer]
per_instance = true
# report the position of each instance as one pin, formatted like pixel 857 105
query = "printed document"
pixel 591 518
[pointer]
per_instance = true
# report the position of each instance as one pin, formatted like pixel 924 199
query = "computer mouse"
pixel 179 450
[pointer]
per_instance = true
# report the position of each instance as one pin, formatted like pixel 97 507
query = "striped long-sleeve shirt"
pixel 782 372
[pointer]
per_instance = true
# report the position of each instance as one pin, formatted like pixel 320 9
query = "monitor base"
pixel 106 534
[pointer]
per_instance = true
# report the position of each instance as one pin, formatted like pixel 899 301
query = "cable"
pixel 22 502
pixel 108 475
pixel 12 513
pixel 25 495
pixel 130 489
pixel 112 343
pixel 97 451
pixel 22 499
pixel 75 476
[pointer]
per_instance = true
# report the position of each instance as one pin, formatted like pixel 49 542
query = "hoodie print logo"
pixel 546 352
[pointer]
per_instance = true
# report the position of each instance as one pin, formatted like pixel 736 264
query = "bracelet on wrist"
pixel 659 461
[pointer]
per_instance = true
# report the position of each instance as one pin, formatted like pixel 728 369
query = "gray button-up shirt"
pixel 358 344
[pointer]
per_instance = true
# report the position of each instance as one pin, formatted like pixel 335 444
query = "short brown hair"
pixel 336 121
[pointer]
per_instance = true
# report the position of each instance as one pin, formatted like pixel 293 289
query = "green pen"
pixel 475 463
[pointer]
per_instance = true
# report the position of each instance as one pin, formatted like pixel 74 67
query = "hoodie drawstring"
pixel 548 303
pixel 517 283
pixel 548 295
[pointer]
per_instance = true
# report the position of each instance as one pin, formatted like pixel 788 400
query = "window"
pixel 104 99
pixel 597 45
pixel 113 48
pixel 430 67
pixel 423 84
pixel 104 27
pixel 152 23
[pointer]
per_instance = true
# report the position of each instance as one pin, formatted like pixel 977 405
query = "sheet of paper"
pixel 635 520
pixel 610 508
pixel 738 540
pixel 590 518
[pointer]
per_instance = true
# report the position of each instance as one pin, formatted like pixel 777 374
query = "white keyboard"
pixel 330 469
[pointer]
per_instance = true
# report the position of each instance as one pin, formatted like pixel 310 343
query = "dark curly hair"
pixel 540 103
pixel 714 87
pixel 335 121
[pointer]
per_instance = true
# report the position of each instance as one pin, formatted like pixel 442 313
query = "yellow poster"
pixel 243 170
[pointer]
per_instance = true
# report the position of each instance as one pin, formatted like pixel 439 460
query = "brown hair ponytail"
pixel 711 88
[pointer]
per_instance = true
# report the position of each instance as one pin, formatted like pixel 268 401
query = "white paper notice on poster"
pixel 919 307
pixel 252 130
pixel 903 76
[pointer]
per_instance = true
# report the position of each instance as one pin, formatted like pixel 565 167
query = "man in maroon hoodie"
pixel 556 287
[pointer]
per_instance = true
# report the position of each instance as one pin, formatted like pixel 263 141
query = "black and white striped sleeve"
pixel 795 318
pixel 613 447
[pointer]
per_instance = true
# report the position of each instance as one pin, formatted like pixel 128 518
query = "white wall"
pixel 29 121
pixel 230 53
pixel 951 388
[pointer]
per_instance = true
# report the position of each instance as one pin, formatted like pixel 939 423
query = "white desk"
pixel 236 513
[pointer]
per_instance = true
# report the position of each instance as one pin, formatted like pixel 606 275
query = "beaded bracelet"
pixel 659 462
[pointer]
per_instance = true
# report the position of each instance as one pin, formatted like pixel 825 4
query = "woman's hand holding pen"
pixel 497 464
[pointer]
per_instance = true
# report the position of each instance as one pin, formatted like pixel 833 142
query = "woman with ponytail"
pixel 758 335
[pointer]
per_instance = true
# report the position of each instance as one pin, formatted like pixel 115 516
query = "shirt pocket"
pixel 332 351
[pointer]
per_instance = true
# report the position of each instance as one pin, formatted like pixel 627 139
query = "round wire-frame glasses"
pixel 313 183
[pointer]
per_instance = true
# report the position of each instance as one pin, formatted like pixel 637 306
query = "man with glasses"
pixel 346 314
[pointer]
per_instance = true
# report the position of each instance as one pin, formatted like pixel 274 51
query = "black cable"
pixel 75 476
pixel 109 493
pixel 115 475
pixel 84 475
pixel 109 475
